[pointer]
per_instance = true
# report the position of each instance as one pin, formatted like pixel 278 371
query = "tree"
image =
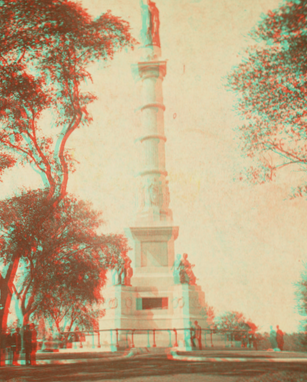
pixel 18 217
pixel 62 277
pixel 235 321
pixel 45 48
pixel 6 161
pixel 270 84
pixel 70 274
pixel 301 299
pixel 231 321
pixel 210 316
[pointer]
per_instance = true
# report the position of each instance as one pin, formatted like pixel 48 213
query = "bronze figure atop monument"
pixel 151 23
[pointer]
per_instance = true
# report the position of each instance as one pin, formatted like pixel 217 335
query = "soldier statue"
pixel 151 23
pixel 185 271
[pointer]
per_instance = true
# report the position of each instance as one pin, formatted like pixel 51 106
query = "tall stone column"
pixel 155 300
pixel 153 233
pixel 153 186
pixel 154 193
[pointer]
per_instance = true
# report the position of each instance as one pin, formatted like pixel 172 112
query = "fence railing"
pixel 118 338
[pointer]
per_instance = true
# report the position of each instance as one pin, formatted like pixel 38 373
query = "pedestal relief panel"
pixel 154 254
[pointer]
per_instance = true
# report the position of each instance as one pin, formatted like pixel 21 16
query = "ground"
pixel 158 366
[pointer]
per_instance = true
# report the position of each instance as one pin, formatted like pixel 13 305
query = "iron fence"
pixel 118 337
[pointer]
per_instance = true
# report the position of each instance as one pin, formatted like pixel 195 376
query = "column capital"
pixel 152 69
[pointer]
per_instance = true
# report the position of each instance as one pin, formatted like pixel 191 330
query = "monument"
pixel 162 293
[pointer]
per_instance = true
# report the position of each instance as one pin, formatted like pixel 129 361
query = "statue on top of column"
pixel 150 22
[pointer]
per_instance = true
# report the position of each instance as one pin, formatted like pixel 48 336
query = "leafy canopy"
pixel 270 84
pixel 62 274
pixel 45 48
pixel 301 300
pixel 234 321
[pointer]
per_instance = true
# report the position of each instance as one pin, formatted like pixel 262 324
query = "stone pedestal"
pixel 120 306
pixel 153 249
pixel 132 314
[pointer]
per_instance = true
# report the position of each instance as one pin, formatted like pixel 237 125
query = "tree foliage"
pixel 270 84
pixel 301 298
pixel 62 275
pixel 210 316
pixel 235 321
pixel 45 49
pixel 6 161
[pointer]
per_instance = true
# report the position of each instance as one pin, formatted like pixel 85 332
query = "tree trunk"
pixel 25 320
pixel 6 291
pixel 5 301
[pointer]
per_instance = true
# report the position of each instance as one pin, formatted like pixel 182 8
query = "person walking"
pixel 27 343
pixel 9 347
pixel 244 340
pixel 33 344
pixel 279 338
pixel 250 340
pixel 255 341
pixel 273 338
pixel 192 335
pixel 15 346
pixel 198 334
pixel 3 341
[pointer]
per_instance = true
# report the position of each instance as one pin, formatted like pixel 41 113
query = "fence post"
pixel 64 341
pixel 154 338
pixel 132 341
pixel 98 339
pixel 117 346
pixel 211 339
pixel 176 343
pixel 80 340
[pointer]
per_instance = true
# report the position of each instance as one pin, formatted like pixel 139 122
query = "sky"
pixel 246 241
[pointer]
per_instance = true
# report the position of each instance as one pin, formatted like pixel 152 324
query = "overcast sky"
pixel 248 242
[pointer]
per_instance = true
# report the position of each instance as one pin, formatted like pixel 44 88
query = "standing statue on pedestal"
pixel 176 269
pixel 129 272
pixel 126 271
pixel 150 23
pixel 115 275
pixel 185 271
pixel 122 271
